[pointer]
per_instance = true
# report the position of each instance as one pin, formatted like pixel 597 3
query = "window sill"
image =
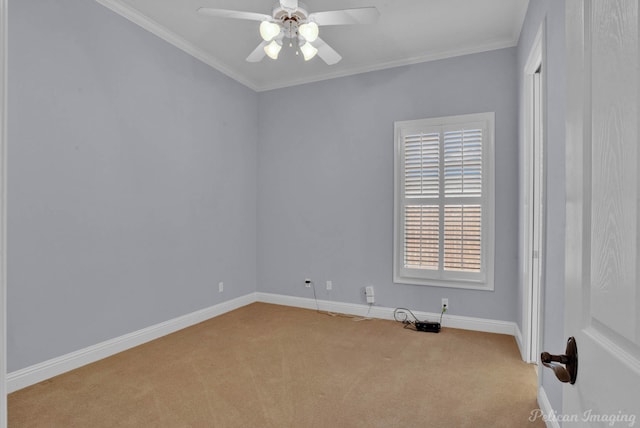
pixel 464 284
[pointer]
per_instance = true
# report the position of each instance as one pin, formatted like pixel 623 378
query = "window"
pixel 444 201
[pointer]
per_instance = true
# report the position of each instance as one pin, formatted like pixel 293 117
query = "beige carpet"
pixel 274 366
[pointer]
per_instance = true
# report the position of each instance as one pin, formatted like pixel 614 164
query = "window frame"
pixel 483 280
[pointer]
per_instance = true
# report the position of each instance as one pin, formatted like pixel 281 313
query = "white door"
pixel 602 300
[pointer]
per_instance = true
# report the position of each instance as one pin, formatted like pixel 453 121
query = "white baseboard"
pixel 547 410
pixel 453 321
pixel 38 372
pixel 520 343
pixel 56 366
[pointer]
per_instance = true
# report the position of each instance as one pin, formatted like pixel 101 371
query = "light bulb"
pixel 309 31
pixel 268 30
pixel 272 49
pixel 308 51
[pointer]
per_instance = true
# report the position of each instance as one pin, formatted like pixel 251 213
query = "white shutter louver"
pixel 422 165
pixel 462 237
pixel 463 163
pixel 422 236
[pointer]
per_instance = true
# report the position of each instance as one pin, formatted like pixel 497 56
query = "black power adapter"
pixel 428 326
pixel 402 315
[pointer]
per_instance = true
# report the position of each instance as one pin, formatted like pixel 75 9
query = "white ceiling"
pixel 408 31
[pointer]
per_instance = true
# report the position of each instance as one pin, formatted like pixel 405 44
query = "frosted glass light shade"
pixel 268 30
pixel 308 51
pixel 309 31
pixel 272 49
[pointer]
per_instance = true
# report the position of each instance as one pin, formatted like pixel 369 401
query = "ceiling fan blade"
pixel 289 4
pixel 258 53
pixel 326 52
pixel 363 15
pixel 236 14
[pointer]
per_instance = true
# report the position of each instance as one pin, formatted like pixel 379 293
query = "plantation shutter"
pixel 442 204
pixel 463 185
pixel 422 180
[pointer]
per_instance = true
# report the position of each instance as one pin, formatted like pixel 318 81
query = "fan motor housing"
pixel 290 19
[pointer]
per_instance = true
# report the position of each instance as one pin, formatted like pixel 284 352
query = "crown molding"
pixel 165 34
pixel 432 56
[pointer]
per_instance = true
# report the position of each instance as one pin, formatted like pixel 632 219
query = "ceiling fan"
pixel 290 19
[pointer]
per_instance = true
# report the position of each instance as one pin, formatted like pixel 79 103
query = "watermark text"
pixel 612 419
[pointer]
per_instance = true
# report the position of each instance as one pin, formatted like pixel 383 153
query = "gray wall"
pixel 552 12
pixel 132 180
pixel 325 180
pixel 139 178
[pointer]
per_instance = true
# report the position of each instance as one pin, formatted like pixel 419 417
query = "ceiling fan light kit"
pixel 309 31
pixel 308 51
pixel 290 19
pixel 268 30
pixel 273 49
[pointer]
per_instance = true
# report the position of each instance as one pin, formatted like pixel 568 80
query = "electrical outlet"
pixel 329 285
pixel 220 287
pixel 368 292
pixel 445 303
pixel 307 283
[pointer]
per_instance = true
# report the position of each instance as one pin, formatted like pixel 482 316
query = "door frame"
pixel 532 293
pixel 3 216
